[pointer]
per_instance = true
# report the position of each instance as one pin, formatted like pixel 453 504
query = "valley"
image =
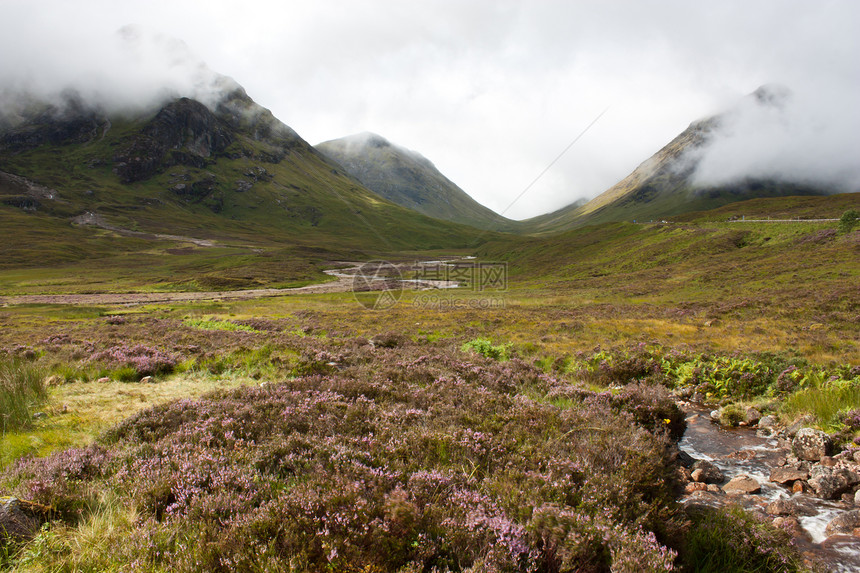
pixel 222 348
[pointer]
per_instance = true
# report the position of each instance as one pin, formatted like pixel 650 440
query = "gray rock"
pixel 811 444
pixel 844 523
pixel 706 472
pixel 828 483
pixel 857 497
pixel 767 422
pixel 742 484
pixel 787 475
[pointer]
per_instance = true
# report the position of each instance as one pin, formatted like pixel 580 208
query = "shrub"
pixel 145 360
pixel 485 347
pixel 849 220
pixel 22 385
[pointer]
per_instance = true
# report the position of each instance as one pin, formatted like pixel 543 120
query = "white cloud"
pixel 490 91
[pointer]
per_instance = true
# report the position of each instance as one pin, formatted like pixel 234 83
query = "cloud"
pixel 489 90
pixel 794 136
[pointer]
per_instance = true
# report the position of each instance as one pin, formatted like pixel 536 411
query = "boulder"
pixel 695 486
pixel 706 472
pixel 742 484
pixel 811 444
pixel 781 507
pixel 844 523
pixel 828 483
pixel 787 475
pixel 767 422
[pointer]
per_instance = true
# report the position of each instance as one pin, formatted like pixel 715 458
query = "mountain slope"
pixel 664 185
pixel 408 179
pixel 80 184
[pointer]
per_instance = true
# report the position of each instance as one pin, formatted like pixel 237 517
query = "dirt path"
pixel 345 282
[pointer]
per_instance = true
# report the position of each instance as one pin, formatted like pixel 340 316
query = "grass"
pixel 22 386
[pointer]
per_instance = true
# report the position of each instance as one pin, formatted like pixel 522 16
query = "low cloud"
pixel 794 135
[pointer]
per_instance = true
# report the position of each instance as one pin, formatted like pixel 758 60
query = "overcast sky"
pixel 491 91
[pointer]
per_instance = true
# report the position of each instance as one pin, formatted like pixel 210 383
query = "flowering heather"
pixel 410 458
pixel 145 360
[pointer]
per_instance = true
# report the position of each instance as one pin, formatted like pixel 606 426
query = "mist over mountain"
pixel 407 178
pixel 742 153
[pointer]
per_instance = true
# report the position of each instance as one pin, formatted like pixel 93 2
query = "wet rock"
pixel 857 497
pixel 827 461
pixel 752 416
pixel 685 459
pixel 714 488
pixel 844 523
pixel 705 471
pixel 798 487
pixel 767 422
pixel 828 483
pixel 781 507
pixel 764 432
pixel 19 519
pixel 787 475
pixel 742 484
pixel 811 444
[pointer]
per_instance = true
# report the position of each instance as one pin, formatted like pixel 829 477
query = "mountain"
pixel 182 183
pixel 665 184
pixel 407 178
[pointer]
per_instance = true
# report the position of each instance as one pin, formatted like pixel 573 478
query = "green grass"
pixel 214 324
pixel 22 386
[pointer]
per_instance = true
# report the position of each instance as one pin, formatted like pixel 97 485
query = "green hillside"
pixel 82 191
pixel 409 179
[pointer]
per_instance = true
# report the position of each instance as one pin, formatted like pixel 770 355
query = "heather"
pixel 411 458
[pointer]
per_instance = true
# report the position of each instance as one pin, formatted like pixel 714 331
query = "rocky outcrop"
pixel 184 132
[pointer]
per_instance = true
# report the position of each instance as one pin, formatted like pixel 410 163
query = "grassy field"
pixel 525 428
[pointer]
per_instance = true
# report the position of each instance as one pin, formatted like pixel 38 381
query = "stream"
pixel 740 451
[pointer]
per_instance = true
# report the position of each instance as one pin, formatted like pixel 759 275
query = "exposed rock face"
pixel 71 122
pixel 184 132
pixel 844 523
pixel 742 484
pixel 706 472
pixel 810 444
pixel 781 507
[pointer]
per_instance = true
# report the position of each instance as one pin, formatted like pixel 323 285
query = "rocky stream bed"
pixel 787 475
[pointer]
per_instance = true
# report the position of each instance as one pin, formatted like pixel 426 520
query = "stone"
pixel 828 483
pixel 146 380
pixel 798 487
pixel 827 461
pixel 104 380
pixel 767 422
pixel 752 416
pixel 781 507
pixel 857 497
pixel 705 471
pixel 856 456
pixel 39 416
pixel 714 488
pixel 695 486
pixel 844 523
pixel 19 519
pixel 811 444
pixel 786 475
pixel 742 484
